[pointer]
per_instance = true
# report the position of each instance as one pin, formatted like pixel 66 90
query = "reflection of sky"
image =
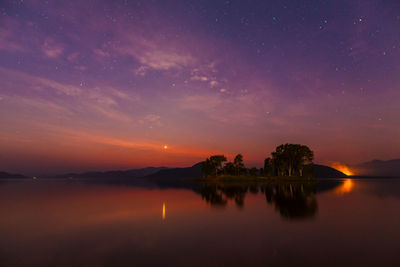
pixel 87 224
pixel 103 86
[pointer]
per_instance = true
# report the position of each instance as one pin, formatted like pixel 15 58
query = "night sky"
pixel 97 85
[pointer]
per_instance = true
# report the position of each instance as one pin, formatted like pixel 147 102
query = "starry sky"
pixel 99 85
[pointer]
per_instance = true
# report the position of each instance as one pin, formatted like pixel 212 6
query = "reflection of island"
pixel 292 200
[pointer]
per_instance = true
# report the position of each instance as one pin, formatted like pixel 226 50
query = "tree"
pixel 268 167
pixel 290 159
pixel 216 162
pixel 229 168
pixel 206 168
pixel 253 171
pixel 238 164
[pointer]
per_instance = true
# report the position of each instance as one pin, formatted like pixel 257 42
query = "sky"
pixel 101 85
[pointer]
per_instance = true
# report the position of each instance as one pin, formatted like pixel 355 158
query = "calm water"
pixel 59 223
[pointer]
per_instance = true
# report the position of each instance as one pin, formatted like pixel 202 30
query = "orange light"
pixel 346 187
pixel 163 210
pixel 342 167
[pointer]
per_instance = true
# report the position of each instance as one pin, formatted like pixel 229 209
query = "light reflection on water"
pixel 346 222
pixel 346 187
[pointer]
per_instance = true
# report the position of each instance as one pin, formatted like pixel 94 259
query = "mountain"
pixel 388 168
pixel 322 171
pixel 173 173
pixel 5 175
pixel 135 173
pixel 164 174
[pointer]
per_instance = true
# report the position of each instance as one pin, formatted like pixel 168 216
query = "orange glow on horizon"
pixel 343 168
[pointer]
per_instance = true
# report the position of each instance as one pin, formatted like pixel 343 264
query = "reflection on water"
pixel 346 187
pixel 163 210
pixel 330 223
pixel 291 200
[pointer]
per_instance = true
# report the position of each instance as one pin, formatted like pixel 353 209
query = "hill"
pixel 118 174
pixel 322 171
pixel 5 175
pixel 388 168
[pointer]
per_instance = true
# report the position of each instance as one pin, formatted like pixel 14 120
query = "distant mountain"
pixel 135 173
pixel 322 171
pixel 164 174
pixel 5 175
pixel 178 173
pixel 388 168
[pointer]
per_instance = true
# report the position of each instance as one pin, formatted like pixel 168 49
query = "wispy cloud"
pixel 152 55
pixel 102 101
pixel 51 48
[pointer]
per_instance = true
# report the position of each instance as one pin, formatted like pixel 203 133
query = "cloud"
pixel 199 78
pixel 151 55
pixel 151 120
pixel 52 49
pixel 80 67
pixel 87 101
pixel 213 83
pixel 141 71
pixel 7 44
pixel 100 52
pixel 206 73
pixel 8 40
pixel 72 57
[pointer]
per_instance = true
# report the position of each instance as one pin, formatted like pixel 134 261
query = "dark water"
pixel 59 223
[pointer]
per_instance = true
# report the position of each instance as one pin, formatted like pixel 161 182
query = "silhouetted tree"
pixel 268 168
pixel 206 168
pixel 229 168
pixel 253 171
pixel 289 159
pixel 238 163
pixel 216 161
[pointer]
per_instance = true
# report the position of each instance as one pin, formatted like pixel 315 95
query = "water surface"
pixel 63 223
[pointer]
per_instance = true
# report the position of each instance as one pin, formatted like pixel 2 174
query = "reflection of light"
pixel 346 187
pixel 343 168
pixel 163 210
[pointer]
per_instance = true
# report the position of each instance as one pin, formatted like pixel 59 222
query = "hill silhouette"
pixel 322 171
pixel 117 174
pixel 388 168
pixel 6 175
pixel 160 174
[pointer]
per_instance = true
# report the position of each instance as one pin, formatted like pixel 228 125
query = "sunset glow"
pixel 343 168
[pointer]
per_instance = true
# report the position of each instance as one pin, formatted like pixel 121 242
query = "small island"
pixel 287 162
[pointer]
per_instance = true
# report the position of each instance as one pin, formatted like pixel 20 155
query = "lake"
pixel 71 223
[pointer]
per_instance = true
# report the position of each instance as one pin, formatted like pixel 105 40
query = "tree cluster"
pixel 289 160
pixel 286 160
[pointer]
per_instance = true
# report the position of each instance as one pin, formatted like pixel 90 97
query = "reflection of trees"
pixel 220 194
pixel 292 200
pixel 212 196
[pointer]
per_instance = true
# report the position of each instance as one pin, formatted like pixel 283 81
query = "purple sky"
pixel 107 84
